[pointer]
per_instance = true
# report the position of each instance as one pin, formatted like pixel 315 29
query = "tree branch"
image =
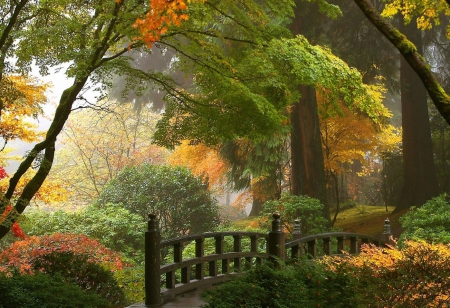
pixel 408 50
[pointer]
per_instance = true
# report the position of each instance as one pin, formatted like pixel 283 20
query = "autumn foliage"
pixel 203 161
pixel 161 16
pixel 418 275
pixel 23 255
pixel 76 257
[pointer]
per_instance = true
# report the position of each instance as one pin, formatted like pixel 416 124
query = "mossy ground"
pixel 364 219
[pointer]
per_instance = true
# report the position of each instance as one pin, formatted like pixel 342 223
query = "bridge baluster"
pixel 199 252
pixel 353 245
pixel 312 251
pixel 237 247
pixel 327 246
pixel 253 248
pixel 340 244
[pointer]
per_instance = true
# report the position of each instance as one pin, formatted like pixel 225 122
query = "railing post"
pixel 152 262
pixel 276 240
pixel 297 230
pixel 387 234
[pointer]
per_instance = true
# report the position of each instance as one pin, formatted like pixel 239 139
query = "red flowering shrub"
pixel 3 173
pixel 76 257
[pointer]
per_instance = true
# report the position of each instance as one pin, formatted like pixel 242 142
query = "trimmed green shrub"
pixel 308 210
pixel 45 291
pixel 179 199
pixel 430 222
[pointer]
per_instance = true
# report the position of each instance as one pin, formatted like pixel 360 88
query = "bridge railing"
pixel 204 269
pixel 208 268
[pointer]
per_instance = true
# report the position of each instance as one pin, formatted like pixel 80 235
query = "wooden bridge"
pixel 234 253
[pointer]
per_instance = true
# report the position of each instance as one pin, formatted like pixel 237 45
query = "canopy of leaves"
pixel 20 107
pixel 427 12
pixel 252 102
pixel 180 201
pixel 203 161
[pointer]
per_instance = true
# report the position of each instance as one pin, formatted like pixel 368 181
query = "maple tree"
pixel 162 15
pixel 19 108
pixel 97 145
pixel 203 161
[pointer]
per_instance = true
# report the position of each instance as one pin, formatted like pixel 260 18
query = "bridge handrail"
pixel 275 244
pixel 190 238
pixel 320 236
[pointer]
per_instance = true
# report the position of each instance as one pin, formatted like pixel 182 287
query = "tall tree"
pixel 419 174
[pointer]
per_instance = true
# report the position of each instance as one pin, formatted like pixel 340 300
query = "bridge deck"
pixel 187 300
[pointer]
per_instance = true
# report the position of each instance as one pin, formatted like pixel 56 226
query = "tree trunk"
pixel 307 165
pixel 419 174
pixel 308 170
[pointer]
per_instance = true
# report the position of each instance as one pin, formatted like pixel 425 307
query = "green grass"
pixel 364 219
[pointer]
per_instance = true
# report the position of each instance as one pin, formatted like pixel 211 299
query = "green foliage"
pixel 78 269
pixel 300 285
pixel 41 290
pixel 430 222
pixel 308 210
pixel 132 282
pixel 179 199
pixel 112 225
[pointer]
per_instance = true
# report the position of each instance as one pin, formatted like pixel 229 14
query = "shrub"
pixel 179 199
pixel 418 275
pixel 41 290
pixel 308 210
pixel 132 281
pixel 430 222
pixel 112 225
pixel 301 285
pixel 77 258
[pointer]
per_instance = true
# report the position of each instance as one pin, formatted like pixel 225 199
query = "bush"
pixel 77 258
pixel 112 225
pixel 418 275
pixel 41 290
pixel 179 199
pixel 301 285
pixel 430 222
pixel 308 210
